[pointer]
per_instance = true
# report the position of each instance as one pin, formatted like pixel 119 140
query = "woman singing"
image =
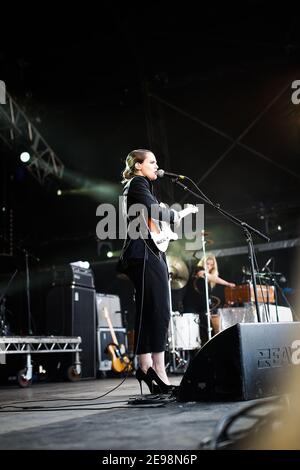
pixel 146 267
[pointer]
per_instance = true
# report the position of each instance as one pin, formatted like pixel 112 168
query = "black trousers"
pixel 150 279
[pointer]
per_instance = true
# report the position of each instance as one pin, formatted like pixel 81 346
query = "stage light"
pixel 24 157
pixel 59 192
pixel 279 228
pixel 109 254
pixel 103 248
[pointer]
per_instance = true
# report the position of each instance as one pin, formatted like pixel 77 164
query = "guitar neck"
pixel 111 329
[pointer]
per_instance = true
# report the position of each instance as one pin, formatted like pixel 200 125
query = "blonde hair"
pixel 214 271
pixel 135 156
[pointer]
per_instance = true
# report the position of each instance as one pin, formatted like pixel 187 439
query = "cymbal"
pixel 179 272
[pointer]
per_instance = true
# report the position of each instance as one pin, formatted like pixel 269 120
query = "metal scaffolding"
pixel 29 345
pixel 240 250
pixel 15 127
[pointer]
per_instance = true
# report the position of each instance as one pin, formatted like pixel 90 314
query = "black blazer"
pixel 139 190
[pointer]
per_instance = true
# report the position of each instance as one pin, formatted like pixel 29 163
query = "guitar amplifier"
pixel 112 303
pixel 73 274
pixel 104 338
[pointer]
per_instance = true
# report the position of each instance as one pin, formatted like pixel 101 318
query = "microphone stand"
pixel 206 289
pixel 276 297
pixel 28 293
pixel 278 288
pixel 247 229
pixel 3 325
pixel 27 254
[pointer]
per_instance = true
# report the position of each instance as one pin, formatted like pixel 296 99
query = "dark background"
pixel 186 81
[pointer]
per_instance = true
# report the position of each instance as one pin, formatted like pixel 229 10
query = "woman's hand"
pixel 230 284
pixel 201 274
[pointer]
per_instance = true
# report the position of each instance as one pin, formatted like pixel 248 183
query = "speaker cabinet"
pixel 70 311
pixel 243 362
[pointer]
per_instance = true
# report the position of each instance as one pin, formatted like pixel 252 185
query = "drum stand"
pixel 206 287
pixel 176 363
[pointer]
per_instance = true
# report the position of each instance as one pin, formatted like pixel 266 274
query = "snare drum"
pixel 185 331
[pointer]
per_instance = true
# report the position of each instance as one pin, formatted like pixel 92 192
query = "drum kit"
pixel 184 335
pixel 184 331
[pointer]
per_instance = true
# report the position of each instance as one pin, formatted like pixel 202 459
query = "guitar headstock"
pixel 105 313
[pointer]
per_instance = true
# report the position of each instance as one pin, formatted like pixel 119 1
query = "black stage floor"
pixel 102 414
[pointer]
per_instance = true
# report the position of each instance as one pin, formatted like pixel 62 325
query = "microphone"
pixel 161 173
pixel 267 264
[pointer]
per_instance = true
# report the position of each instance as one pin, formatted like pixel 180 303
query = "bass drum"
pixel 185 331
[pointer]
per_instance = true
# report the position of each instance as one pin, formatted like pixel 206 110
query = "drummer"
pixel 195 299
pixel 212 272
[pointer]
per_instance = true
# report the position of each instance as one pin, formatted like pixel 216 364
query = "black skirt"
pixel 150 279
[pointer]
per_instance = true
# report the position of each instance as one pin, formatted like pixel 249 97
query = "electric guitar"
pixel 120 362
pixel 161 232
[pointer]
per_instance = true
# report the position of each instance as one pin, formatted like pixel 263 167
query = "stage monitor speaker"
pixel 246 361
pixel 71 311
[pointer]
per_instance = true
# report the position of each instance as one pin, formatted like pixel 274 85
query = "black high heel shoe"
pixel 141 376
pixel 163 387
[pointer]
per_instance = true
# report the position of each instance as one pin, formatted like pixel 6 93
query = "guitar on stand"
pixel 120 362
